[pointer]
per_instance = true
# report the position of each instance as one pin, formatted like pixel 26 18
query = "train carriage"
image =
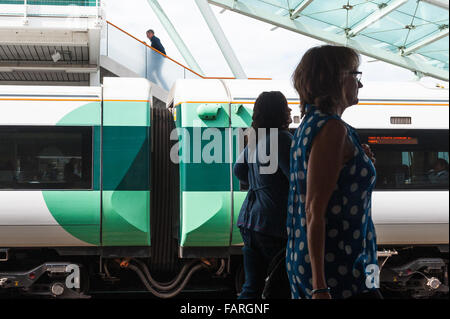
pixel 99 178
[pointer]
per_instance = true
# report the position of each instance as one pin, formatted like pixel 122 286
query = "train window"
pixel 37 157
pixel 409 159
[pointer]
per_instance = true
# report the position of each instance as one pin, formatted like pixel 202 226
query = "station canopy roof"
pixel 413 34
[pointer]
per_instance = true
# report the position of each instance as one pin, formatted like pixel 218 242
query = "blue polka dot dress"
pixel 350 243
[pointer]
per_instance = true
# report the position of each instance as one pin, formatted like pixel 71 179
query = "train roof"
pixel 49 91
pixel 114 88
pixel 382 105
pixel 213 90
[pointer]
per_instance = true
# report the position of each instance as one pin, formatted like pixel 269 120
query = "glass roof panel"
pixel 429 12
pixel 395 29
pixel 336 17
pixel 272 5
pixel 409 33
pixel 319 6
pixel 436 51
pixel 360 11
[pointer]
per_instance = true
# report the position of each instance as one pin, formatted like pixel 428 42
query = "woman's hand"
pixel 369 153
pixel 322 295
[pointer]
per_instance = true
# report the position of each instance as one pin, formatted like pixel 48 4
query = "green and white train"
pixel 88 178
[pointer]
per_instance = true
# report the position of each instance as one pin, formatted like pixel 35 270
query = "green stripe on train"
pixel 114 114
pixel 206 218
pixel 126 113
pixel 126 218
pixel 78 212
pixel 199 174
pixel 195 173
pixel 87 115
pixel 214 115
pixel 126 158
pixel 126 145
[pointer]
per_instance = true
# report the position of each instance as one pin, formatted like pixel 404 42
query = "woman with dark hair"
pixel 331 250
pixel 262 219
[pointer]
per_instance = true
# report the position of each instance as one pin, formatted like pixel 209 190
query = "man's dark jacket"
pixel 156 44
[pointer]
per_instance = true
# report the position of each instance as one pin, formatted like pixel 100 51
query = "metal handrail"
pixel 178 63
pixel 142 42
pixel 46 8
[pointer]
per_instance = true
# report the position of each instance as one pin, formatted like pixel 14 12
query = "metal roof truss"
pixel 412 34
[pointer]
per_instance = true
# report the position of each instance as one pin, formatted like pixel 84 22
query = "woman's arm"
pixel 324 166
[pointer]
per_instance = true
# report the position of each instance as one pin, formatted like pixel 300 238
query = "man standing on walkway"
pixel 155 61
pixel 156 43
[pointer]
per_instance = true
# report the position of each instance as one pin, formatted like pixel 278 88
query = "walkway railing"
pixel 84 3
pixel 59 8
pixel 122 47
pixel 142 59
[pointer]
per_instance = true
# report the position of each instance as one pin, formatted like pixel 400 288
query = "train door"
pixel 125 163
pixel 241 120
pixel 205 174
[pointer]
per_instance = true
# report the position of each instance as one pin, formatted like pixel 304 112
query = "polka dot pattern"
pixel 350 237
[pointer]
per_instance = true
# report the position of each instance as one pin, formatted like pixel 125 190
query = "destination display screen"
pixel 409 159
pixel 393 140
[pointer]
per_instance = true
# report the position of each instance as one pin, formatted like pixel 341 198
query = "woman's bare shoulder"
pixel 333 129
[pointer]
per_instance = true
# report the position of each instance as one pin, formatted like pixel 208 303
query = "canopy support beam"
pixel 221 39
pixel 443 33
pixel 373 18
pixel 440 3
pixel 179 43
pixel 328 37
pixel 302 6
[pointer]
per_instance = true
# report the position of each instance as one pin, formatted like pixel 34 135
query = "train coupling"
pixel 62 280
pixel 27 278
pixel 387 253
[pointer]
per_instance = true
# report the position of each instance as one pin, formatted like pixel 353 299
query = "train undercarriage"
pixel 418 272
pixel 45 273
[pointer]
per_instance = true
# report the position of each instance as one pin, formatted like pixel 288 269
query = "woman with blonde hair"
pixel 331 250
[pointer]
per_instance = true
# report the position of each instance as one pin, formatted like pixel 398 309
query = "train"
pixel 101 183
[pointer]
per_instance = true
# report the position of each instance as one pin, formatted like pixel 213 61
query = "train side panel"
pixel 381 107
pixel 126 163
pixel 38 205
pixel 204 185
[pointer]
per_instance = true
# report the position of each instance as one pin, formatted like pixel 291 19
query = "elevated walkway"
pixel 125 55
pixel 68 42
